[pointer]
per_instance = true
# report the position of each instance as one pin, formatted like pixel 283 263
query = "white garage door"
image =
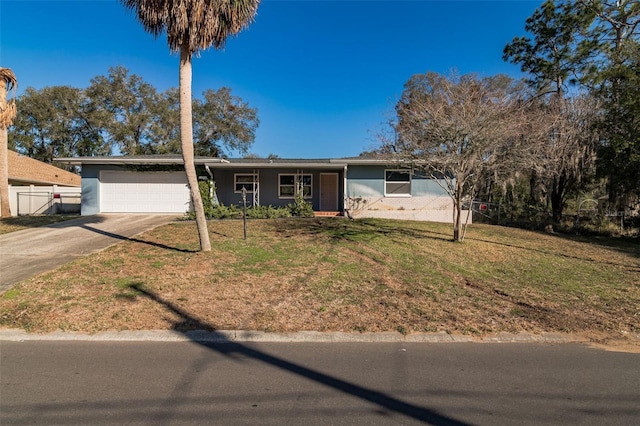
pixel 148 192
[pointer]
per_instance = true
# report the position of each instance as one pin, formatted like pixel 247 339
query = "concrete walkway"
pixel 29 252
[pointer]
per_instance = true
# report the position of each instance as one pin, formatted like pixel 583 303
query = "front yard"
pixel 338 275
pixel 17 223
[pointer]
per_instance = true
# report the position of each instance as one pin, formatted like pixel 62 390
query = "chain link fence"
pixel 591 216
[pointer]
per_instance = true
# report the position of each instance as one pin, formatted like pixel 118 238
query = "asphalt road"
pixel 26 253
pixel 187 383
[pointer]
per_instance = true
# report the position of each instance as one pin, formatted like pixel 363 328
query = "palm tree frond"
pixel 9 78
pixel 194 24
pixel 7 107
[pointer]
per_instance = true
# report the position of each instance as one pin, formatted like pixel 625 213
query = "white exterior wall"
pixel 123 191
pixel 426 208
pixel 36 199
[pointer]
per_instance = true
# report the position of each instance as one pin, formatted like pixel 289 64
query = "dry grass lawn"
pixel 12 224
pixel 338 275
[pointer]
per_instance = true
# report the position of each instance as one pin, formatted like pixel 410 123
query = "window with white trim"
pixel 246 180
pixel 397 183
pixel 291 184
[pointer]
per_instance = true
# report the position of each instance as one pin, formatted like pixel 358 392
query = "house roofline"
pixel 26 181
pixel 276 164
pixel 330 163
pixel 137 160
pixel 372 161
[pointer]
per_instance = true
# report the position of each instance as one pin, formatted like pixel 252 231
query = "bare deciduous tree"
pixel 562 146
pixel 458 129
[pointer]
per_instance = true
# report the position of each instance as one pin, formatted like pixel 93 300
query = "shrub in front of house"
pixel 268 212
pixel 299 207
pixel 257 212
pixel 218 212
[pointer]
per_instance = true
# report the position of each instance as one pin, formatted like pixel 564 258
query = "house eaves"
pixel 277 163
pixel 236 163
pixel 137 160
pixel 373 161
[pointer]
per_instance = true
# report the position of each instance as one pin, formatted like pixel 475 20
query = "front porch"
pixel 327 213
pixel 278 182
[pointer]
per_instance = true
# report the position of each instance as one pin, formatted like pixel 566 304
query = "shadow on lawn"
pixel 37 221
pixel 354 230
pixel 135 240
pixel 624 245
pixel 557 251
pixel 229 349
pixel 338 229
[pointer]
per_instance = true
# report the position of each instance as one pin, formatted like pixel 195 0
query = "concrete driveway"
pixel 29 252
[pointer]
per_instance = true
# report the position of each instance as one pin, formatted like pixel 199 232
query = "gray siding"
pixel 368 181
pixel 91 188
pixel 365 181
pixel 362 181
pixel 268 186
pixel 422 186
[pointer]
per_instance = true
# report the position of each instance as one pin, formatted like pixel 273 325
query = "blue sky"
pixel 324 75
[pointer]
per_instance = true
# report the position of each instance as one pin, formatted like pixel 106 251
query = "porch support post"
pixel 344 189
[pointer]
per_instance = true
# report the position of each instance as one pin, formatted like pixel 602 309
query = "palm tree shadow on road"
pixel 228 348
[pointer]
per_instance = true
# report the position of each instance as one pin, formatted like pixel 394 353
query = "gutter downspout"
pixel 212 194
pixel 209 171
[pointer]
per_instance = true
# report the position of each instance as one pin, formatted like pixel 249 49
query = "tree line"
pixel 570 127
pixel 122 113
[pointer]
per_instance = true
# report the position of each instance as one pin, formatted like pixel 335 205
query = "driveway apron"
pixel 29 252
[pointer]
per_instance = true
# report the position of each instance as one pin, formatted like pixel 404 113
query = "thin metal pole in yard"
pixel 244 211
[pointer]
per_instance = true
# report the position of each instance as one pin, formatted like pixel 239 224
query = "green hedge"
pixel 299 208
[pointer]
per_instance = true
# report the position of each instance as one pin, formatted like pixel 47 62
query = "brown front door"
pixel 329 192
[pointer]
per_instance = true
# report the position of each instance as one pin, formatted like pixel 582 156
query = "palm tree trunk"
pixel 5 210
pixel 186 142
